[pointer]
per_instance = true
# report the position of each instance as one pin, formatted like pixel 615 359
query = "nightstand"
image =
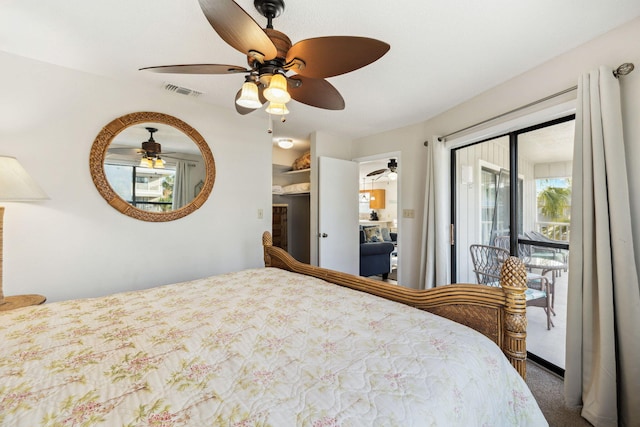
pixel 18 301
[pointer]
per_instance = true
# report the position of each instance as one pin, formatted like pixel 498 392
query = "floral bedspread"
pixel 261 347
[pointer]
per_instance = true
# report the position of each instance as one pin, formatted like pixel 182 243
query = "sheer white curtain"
pixel 435 254
pixel 603 313
pixel 182 185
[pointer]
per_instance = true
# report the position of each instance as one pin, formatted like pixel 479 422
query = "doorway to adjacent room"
pixel 378 201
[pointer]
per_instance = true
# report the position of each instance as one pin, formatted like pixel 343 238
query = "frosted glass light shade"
pixel 249 96
pixel 145 163
pixel 158 163
pixel 277 90
pixel 393 176
pixel 285 143
pixel 279 109
pixel 15 183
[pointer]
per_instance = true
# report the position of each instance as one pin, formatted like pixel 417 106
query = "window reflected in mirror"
pixel 154 167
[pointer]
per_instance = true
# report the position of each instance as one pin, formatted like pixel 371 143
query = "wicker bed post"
pixel 267 241
pixel 514 282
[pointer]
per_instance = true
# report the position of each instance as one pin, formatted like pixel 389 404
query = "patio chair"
pixel 487 264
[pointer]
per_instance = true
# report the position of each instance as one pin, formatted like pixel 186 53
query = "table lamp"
pixel 16 186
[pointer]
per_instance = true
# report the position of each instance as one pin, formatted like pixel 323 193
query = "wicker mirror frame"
pixel 99 151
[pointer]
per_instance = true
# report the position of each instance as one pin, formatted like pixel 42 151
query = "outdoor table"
pixel 546 265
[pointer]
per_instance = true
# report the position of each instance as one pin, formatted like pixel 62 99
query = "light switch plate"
pixel 408 213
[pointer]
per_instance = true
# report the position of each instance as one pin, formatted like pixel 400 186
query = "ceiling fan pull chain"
pixel 270 128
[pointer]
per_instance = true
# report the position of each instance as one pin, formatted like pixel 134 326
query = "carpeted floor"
pixel 548 389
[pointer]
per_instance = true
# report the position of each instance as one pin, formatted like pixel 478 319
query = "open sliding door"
pixel 514 191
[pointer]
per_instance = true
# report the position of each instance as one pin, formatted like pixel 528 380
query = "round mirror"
pixel 152 166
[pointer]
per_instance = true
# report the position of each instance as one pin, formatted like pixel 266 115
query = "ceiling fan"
pixel 150 151
pixel 389 171
pixel 279 71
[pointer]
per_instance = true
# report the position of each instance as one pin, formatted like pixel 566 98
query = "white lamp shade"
pixel 277 90
pixel 279 109
pixel 249 96
pixel 15 183
pixel 393 176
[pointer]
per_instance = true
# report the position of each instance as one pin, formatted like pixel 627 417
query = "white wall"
pixel 75 244
pixel 562 72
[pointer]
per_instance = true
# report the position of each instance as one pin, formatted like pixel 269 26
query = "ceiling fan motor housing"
pixel 152 148
pixel 268 68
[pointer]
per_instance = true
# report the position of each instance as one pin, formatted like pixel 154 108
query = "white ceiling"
pixel 442 52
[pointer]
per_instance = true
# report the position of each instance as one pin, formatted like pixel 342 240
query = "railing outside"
pixel 554 230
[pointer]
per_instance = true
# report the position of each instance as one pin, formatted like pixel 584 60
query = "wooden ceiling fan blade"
pixel 377 172
pixel 331 56
pixel 315 92
pixel 124 150
pixel 197 69
pixel 237 28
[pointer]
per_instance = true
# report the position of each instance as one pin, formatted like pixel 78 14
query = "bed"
pixel 285 345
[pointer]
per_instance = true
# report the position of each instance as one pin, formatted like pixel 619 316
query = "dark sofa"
pixel 375 257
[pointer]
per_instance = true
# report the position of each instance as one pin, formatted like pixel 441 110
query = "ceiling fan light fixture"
pixel 158 163
pixel 285 143
pixel 249 96
pixel 277 90
pixel 146 163
pixel 392 165
pixel 277 108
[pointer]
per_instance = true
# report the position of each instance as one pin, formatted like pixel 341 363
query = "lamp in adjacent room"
pixel 364 196
pixel 16 186
pixel 372 197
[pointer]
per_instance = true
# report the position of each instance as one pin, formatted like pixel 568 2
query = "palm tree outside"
pixel 554 203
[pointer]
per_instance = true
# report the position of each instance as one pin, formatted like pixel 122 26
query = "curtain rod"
pixel 622 70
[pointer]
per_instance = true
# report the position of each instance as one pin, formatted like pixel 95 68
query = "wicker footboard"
pixel 498 313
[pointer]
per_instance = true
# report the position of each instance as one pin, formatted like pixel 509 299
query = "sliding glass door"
pixel 521 182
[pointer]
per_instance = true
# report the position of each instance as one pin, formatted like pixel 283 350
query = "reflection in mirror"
pixel 152 166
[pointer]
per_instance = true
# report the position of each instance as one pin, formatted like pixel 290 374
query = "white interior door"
pixel 338 241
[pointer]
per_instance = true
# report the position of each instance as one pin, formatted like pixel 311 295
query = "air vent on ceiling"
pixel 181 90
